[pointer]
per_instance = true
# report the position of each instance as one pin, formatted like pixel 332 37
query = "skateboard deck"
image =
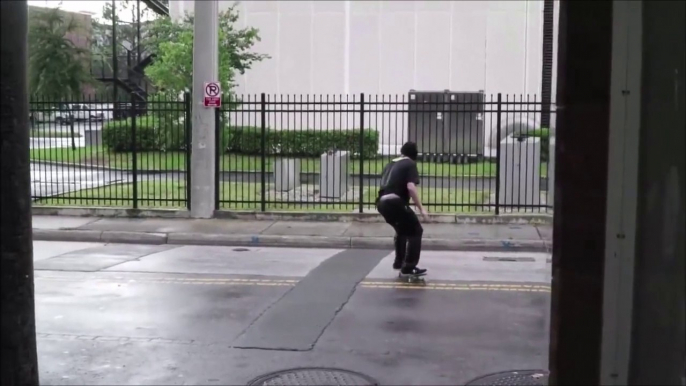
pixel 412 278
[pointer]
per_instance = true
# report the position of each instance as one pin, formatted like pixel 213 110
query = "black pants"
pixel 408 230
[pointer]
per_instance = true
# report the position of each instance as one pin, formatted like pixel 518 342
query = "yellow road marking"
pixel 430 287
pixel 458 286
pixel 291 283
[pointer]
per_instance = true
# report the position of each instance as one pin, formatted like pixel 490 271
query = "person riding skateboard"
pixel 399 182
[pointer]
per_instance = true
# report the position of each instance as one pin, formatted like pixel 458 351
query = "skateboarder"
pixel 399 182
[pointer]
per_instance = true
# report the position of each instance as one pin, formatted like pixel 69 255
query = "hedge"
pixel 299 143
pixel 152 134
pixel 160 134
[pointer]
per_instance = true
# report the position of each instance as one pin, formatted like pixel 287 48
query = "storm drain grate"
pixel 313 376
pixel 240 250
pixel 510 259
pixel 513 378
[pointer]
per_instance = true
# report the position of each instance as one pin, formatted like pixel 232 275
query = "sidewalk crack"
pixel 258 318
pixel 267 228
pixel 336 314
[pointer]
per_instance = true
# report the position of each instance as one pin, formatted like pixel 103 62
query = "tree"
pixel 172 70
pixel 57 67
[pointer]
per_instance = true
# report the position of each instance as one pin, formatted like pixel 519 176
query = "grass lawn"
pixel 151 194
pixel 37 133
pixel 171 194
pixel 172 161
pixel 236 162
pixel 100 156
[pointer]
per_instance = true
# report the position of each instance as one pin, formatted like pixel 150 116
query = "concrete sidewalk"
pixel 222 232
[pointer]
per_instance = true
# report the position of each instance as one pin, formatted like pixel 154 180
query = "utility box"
pixel 93 137
pixel 447 122
pixel 520 176
pixel 333 177
pixel 286 174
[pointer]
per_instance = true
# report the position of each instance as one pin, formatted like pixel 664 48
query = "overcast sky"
pixel 91 6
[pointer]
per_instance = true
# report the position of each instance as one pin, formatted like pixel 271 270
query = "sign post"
pixel 213 94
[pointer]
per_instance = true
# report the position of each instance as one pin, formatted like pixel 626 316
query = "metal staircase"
pixel 129 76
pixel 130 68
pixel 160 7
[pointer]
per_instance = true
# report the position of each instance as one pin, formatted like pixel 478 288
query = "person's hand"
pixel 425 214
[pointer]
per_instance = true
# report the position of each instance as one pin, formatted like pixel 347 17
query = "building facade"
pixel 382 47
pixel 392 47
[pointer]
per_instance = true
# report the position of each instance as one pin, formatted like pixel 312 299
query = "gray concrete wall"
pixel 388 47
pixel 391 46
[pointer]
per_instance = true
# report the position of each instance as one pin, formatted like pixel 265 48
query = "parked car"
pixel 70 112
pixel 40 117
pixel 123 110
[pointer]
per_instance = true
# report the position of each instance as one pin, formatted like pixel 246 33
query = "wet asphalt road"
pixel 146 314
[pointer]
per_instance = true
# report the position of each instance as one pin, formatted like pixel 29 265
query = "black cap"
pixel 409 149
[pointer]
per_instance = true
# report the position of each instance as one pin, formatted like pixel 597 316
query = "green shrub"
pixel 299 143
pixel 152 134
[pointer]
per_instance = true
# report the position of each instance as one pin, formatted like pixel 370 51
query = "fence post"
pixel 497 156
pixel 72 132
pixel 189 147
pixel 134 151
pixel 263 151
pixel 217 156
pixel 361 172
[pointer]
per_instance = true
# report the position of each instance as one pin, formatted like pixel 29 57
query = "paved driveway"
pixel 50 180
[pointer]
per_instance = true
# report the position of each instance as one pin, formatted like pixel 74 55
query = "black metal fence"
pixel 121 154
pixel 478 153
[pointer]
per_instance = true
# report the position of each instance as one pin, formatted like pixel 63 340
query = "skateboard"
pixel 412 278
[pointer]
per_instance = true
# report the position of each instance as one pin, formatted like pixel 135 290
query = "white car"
pixel 69 112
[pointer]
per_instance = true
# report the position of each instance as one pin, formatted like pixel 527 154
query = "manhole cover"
pixel 313 376
pixel 513 378
pixel 510 259
pixel 240 249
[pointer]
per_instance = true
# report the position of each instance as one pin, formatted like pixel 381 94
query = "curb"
pixel 488 219
pixel 428 244
pixel 79 211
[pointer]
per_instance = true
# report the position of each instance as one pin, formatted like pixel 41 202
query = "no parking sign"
pixel 213 94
